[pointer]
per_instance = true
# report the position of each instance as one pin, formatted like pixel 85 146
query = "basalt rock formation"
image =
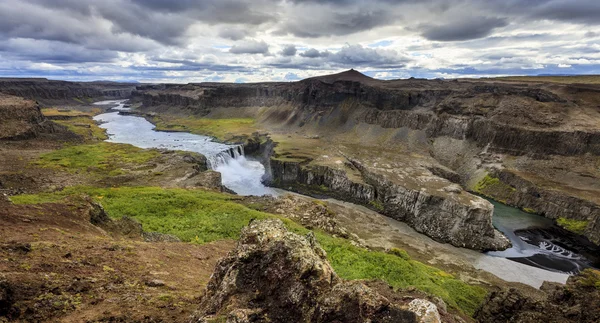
pixel 61 92
pixel 277 276
pixel 577 301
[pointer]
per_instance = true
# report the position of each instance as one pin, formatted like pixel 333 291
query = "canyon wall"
pixel 49 92
pixel 22 119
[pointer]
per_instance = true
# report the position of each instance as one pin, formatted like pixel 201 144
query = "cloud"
pixel 289 50
pixel 359 56
pixel 197 40
pixel 250 47
pixel 313 53
pixel 234 33
pixel 473 28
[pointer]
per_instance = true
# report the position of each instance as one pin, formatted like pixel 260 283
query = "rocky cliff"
pixel 277 276
pixel 512 118
pixel 49 92
pixel 447 214
pixel 577 301
pixel 22 119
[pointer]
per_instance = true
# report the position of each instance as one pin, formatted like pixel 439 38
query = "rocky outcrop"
pixel 577 301
pixel 507 138
pixel 450 218
pixel 22 119
pixel 277 276
pixel 514 190
pixel 62 92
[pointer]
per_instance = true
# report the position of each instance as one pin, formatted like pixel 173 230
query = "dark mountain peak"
pixel 349 75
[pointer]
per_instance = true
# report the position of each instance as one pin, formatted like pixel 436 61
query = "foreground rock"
pixel 277 276
pixel 577 301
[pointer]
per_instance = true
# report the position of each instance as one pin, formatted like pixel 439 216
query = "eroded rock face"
pixel 450 216
pixel 277 276
pixel 577 301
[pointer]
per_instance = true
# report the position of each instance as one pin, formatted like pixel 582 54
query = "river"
pixel 536 240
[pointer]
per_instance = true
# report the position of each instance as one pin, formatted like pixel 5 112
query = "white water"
pixel 240 174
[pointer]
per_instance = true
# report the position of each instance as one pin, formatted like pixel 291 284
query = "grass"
pixel 494 188
pixel 52 112
pixel 200 216
pixel 101 159
pixel 577 226
pixel 222 129
pixel 93 133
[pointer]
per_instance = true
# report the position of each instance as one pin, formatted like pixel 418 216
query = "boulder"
pixel 274 275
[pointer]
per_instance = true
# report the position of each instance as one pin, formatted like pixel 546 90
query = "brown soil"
pixel 58 267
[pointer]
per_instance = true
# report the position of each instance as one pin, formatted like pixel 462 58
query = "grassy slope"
pixel 200 216
pixel 103 159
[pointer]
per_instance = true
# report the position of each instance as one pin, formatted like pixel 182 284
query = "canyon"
pixel 427 153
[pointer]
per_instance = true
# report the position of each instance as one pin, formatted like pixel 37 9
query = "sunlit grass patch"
pixel 102 158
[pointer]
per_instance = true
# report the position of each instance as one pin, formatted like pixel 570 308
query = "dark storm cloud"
pixel 472 28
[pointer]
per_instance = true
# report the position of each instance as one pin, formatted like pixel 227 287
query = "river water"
pixel 240 174
pixel 536 240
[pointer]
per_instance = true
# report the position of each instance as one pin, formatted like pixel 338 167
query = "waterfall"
pixel 225 156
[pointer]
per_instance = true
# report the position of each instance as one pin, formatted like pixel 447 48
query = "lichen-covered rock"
pixel 577 301
pixel 425 310
pixel 278 276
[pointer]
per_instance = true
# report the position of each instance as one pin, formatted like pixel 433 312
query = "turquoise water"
pixel 538 242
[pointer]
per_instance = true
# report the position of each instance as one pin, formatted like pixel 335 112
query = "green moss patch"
pixel 494 188
pixel 577 226
pixel 101 159
pixel 85 127
pixel 200 216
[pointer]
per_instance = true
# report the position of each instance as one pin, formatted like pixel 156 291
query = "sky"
pixel 181 41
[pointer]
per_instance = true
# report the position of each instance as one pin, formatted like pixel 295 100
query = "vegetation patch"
pixel 577 226
pixel 101 159
pixel 200 216
pixel 53 112
pixel 493 187
pixel 85 127
pixel 376 205
pixel 222 129
pixel 590 278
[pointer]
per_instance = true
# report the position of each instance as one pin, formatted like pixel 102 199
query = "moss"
pixel 528 210
pixel 400 253
pixel 494 188
pixel 376 205
pixel 577 226
pixel 90 131
pixel 589 278
pixel 103 158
